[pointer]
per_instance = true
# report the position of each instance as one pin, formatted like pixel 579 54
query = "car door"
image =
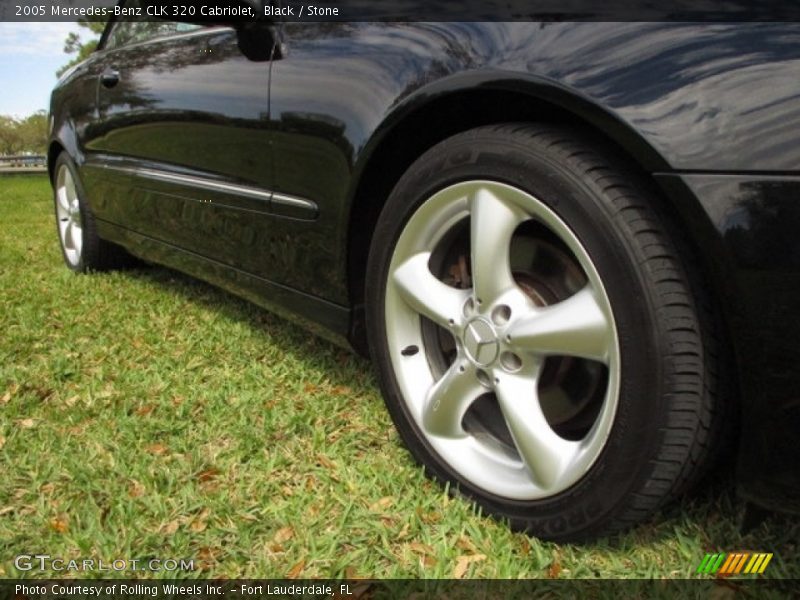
pixel 178 149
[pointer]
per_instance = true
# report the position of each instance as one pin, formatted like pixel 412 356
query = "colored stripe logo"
pixel 734 563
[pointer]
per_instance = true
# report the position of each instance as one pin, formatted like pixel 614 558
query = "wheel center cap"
pixel 480 342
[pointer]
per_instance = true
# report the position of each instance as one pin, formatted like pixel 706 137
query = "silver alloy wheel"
pixel 502 339
pixel 68 213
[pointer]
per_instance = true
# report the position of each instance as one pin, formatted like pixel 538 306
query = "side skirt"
pixel 325 319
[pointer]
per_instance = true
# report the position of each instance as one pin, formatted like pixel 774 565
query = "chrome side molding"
pixel 202 183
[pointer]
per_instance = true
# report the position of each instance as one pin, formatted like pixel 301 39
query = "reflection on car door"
pixel 178 150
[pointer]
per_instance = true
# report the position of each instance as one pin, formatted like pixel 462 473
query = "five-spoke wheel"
pixel 501 335
pixel 536 331
pixel 81 245
pixel 68 215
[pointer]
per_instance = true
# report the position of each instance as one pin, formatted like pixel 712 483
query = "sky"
pixel 32 52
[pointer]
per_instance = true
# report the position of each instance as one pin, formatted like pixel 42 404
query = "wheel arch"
pixel 53 150
pixel 63 140
pixel 458 103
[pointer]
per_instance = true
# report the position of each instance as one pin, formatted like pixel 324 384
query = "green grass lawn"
pixel 144 414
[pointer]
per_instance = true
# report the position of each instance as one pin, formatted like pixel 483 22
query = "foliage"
pixel 146 414
pixel 30 134
pixel 10 141
pixel 74 43
pixel 24 135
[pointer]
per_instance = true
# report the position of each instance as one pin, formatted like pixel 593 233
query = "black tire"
pixel 665 421
pixel 93 253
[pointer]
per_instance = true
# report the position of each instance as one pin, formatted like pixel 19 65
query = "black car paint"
pixel 710 111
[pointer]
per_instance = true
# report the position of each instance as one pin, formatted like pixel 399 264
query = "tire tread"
pixel 687 449
pixel 694 420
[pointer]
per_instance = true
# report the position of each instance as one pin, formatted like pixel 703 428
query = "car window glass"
pixel 133 31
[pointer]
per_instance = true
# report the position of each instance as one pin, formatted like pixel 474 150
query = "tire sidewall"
pixel 623 466
pixel 64 160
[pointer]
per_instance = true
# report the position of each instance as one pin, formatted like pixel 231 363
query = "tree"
pixel 33 132
pixel 10 140
pixel 24 135
pixel 74 43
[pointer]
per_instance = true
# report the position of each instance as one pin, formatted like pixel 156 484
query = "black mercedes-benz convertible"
pixel 570 248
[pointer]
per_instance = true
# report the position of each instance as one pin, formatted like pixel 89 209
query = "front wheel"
pixel 536 334
pixel 81 246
